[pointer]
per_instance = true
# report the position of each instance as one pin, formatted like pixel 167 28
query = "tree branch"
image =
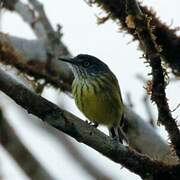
pixel 11 142
pixel 144 33
pixel 165 36
pixel 37 20
pixel 135 22
pixel 55 48
pixel 83 132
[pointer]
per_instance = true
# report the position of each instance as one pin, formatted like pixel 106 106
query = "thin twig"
pixel 38 21
pixel 146 101
pixel 129 100
pixel 53 44
pixel 148 110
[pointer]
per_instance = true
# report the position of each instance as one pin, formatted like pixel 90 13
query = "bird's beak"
pixel 70 60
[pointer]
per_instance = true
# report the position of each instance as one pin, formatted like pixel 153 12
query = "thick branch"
pixel 83 132
pixel 11 142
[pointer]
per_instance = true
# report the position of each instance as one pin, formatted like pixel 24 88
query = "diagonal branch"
pixel 54 46
pixel 82 132
pixel 11 142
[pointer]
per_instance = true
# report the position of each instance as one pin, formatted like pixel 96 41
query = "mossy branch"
pixel 134 18
pixel 166 37
pixel 153 53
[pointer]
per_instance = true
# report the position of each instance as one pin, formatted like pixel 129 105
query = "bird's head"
pixel 85 66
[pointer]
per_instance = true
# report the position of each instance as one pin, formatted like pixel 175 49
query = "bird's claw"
pixel 91 123
pixel 116 140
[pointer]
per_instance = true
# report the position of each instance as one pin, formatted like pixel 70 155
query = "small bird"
pixel 97 93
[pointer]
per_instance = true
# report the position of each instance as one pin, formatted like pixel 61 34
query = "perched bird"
pixel 96 92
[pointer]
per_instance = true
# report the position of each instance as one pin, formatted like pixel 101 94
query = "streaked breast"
pixel 99 100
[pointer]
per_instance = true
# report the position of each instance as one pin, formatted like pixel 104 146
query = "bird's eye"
pixel 86 63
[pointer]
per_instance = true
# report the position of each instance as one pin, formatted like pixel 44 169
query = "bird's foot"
pixel 92 124
pixel 113 132
pixel 95 125
pixel 116 140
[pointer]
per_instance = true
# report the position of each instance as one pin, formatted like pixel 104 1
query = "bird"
pixel 97 93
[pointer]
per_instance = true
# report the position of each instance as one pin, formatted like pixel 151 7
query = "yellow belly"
pixel 103 106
